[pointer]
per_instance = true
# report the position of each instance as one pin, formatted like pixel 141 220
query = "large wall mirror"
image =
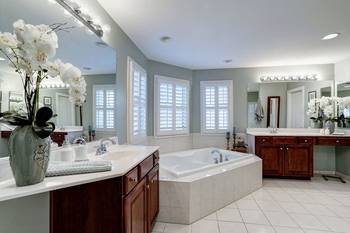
pixel 77 46
pixel 284 104
pixel 343 108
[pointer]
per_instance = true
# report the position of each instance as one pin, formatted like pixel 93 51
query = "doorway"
pixel 65 110
pixel 296 107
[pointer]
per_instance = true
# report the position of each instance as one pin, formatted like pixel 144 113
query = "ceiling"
pixel 250 32
pixel 76 46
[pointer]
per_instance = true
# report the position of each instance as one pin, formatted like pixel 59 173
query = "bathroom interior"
pixel 224 116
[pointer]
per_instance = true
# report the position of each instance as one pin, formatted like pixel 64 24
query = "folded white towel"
pixel 259 111
pixel 81 167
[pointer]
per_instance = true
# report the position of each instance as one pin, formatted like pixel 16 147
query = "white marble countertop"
pixel 129 156
pixel 296 132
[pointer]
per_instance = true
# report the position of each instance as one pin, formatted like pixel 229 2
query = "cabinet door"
pixel 135 209
pixel 153 196
pixel 272 157
pixel 298 160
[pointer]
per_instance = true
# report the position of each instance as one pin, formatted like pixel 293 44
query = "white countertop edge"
pixel 9 191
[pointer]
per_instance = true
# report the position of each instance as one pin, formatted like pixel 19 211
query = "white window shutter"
pixel 104 107
pixel 171 106
pixel 216 106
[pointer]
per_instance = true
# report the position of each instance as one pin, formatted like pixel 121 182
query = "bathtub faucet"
pixel 220 155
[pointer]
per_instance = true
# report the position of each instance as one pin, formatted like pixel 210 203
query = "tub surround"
pixel 188 198
pixel 289 152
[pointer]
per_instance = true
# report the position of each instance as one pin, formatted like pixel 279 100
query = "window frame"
pixel 104 87
pixel 173 81
pixel 130 107
pixel 203 85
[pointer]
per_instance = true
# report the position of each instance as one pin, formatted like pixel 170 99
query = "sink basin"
pixel 118 155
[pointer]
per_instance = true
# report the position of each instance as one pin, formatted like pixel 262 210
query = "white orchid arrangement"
pixel 29 50
pixel 324 108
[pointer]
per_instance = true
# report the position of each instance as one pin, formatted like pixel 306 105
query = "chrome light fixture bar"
pixel 288 78
pixel 86 19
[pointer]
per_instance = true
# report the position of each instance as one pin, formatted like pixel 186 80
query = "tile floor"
pixel 280 206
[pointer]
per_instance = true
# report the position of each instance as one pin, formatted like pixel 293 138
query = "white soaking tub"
pixel 193 186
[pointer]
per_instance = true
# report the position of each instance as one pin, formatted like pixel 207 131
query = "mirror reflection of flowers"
pixel 328 109
pixel 30 50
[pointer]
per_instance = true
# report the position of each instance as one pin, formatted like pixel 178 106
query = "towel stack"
pixel 81 167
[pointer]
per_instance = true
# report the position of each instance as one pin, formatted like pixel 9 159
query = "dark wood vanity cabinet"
pixel 285 156
pixel 141 205
pixel 272 157
pixel 126 204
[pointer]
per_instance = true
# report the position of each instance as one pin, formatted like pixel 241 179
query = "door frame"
pixel 72 107
pixel 289 107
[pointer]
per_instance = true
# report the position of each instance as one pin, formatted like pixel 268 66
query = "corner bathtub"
pixel 193 186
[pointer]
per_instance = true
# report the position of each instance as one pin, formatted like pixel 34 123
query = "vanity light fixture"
pixel 331 36
pixel 73 8
pixel 288 78
pixel 2 59
pixel 54 85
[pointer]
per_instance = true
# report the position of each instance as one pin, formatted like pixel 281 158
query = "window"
pixel 171 106
pixel 104 107
pixel 137 100
pixel 216 106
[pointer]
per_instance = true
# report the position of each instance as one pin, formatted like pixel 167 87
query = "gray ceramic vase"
pixel 330 125
pixel 29 156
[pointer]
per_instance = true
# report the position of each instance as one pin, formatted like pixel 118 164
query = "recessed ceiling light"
pixel 228 60
pixel 165 39
pixel 87 68
pixel 2 59
pixel 331 36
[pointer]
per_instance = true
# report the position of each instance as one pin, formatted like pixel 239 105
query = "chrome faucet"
pixel 102 148
pixel 274 130
pixel 220 155
pixel 79 140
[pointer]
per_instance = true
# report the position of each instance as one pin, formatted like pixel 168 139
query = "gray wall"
pixel 25 215
pixel 124 47
pixel 274 89
pixel 157 68
pixel 241 77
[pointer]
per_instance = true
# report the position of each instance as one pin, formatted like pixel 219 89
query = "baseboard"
pixel 345 177
pixel 325 172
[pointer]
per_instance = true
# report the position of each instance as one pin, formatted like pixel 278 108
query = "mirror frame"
pixel 269 109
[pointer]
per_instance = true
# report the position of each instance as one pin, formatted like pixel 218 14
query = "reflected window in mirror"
pixel 104 103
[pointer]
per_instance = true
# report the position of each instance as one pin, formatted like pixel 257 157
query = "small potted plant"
pixel 29 51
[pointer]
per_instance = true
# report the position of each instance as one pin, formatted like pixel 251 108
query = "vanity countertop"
pixel 296 133
pixel 120 166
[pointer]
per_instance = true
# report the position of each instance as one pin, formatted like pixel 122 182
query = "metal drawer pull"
pixel 337 141
pixel 133 179
pixel 305 140
pixel 281 148
pixel 287 148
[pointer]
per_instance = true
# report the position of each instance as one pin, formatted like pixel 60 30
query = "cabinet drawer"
pixel 305 140
pixel 131 180
pixel 284 140
pixel 333 141
pixel 156 157
pixel 146 166
pixel 263 140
